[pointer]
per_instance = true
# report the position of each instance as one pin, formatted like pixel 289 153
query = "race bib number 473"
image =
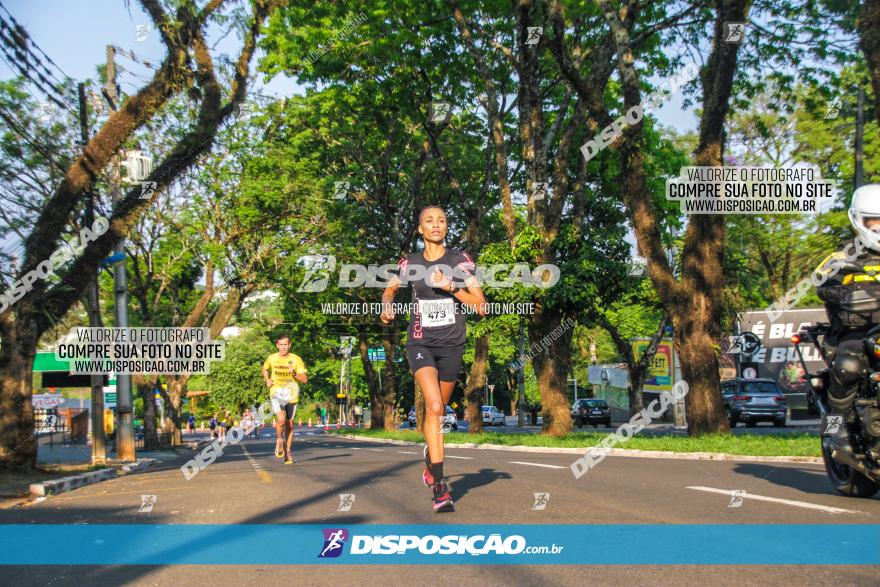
pixel 436 313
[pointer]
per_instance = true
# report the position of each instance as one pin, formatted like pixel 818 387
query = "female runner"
pixel 442 281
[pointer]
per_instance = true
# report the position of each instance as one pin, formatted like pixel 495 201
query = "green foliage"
pixel 237 382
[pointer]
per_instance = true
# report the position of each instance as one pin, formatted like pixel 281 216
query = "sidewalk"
pixel 81 453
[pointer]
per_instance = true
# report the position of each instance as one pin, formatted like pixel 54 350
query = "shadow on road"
pixel 463 483
pixel 807 480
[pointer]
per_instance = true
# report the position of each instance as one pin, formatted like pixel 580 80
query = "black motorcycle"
pixel 857 474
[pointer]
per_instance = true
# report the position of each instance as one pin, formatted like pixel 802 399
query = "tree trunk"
pixel 18 446
pixel 420 409
pixel 382 411
pixel 551 364
pixel 695 303
pixel 476 383
pixel 151 436
pixel 868 25
pixel 510 380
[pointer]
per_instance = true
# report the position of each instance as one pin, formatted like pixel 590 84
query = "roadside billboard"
pixel 662 369
pixel 776 359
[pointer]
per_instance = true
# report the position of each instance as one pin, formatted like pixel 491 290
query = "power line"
pixel 18 51
pixel 37 47
pixel 17 127
pixel 130 54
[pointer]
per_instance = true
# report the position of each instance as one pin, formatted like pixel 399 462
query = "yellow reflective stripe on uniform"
pixel 859 278
pixel 821 268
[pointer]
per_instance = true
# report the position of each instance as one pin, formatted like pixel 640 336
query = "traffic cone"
pixel 326 427
pixel 337 425
pixel 310 422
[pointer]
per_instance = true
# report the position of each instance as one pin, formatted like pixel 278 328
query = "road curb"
pixel 615 452
pixel 64 484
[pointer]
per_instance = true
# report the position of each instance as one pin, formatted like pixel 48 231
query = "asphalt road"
pixel 248 485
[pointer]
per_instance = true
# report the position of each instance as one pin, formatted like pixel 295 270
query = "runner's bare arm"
pixel 388 298
pixel 302 377
pixel 472 296
pixel 266 377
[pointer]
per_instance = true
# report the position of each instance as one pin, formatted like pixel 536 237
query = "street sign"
pixel 749 373
pixel 110 397
pixel 491 387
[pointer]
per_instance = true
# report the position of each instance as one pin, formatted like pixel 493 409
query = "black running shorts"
pixel 446 359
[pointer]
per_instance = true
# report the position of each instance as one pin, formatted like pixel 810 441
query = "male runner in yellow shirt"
pixel 281 371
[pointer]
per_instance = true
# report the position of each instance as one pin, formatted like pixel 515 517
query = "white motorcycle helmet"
pixel 865 206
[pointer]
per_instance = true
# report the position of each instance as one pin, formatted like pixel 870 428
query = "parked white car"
pixel 493 416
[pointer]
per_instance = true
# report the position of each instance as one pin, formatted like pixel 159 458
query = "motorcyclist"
pixel 843 344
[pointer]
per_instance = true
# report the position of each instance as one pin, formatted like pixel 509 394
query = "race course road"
pixel 248 485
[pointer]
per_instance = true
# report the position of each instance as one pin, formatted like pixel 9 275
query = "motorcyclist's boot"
pixel 840 441
pixel 846 374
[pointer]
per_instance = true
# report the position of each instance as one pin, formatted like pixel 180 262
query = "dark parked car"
pixel 591 411
pixel 752 401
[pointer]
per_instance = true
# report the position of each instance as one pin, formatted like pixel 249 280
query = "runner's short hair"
pixel 282 336
pixel 429 207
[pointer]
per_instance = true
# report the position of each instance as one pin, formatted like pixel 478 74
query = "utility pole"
pixel 125 433
pixel 99 449
pixel 860 140
pixel 521 379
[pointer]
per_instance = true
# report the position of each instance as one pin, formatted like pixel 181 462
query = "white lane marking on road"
pixel 800 504
pixel 378 449
pixel 455 457
pixel 537 465
pixel 407 452
pixel 355 447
